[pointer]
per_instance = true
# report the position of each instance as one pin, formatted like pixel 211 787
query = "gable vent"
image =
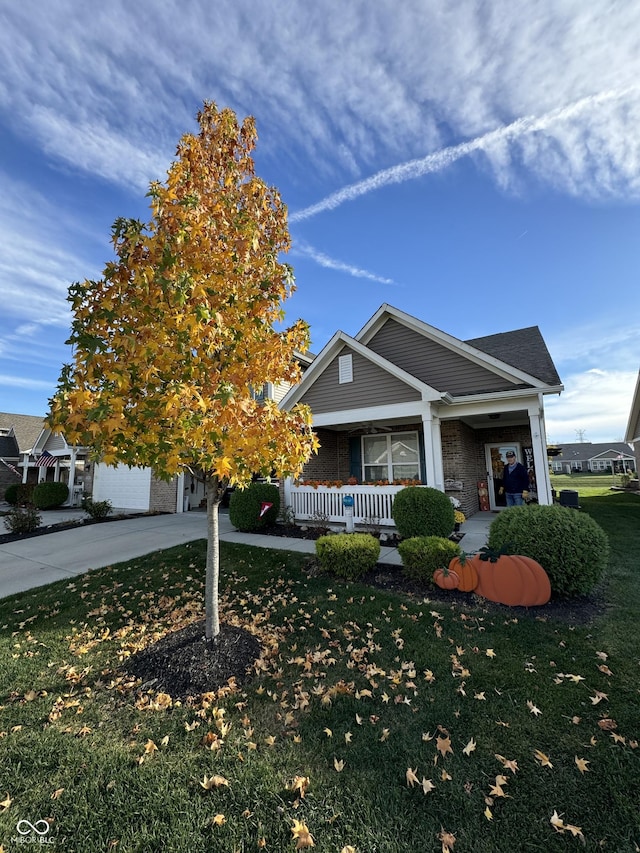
pixel 345 369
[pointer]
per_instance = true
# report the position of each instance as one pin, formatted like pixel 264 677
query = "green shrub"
pixel 422 511
pixel 422 555
pixel 570 546
pixel 96 509
pixel 50 495
pixel 19 493
pixel 348 555
pixel 22 519
pixel 245 506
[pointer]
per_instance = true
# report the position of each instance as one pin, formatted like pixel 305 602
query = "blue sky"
pixel 474 164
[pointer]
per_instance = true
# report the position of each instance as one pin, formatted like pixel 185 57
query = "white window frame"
pixel 389 463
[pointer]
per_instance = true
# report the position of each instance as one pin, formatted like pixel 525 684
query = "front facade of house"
pixel 403 401
pixel 615 456
pixel 632 434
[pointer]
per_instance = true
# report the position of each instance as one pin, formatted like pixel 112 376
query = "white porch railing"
pixel 370 503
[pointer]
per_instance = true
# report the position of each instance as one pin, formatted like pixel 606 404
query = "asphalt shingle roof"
pixel 522 348
pixel 27 428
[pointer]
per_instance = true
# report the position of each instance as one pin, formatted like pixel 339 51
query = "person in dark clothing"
pixel 515 481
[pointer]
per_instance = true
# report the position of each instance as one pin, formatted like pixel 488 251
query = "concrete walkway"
pixel 42 559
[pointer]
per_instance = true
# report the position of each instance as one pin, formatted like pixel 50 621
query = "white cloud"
pixel 597 401
pixel 348 87
pixel 324 260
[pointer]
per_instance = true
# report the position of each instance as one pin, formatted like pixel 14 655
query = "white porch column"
pixel 72 476
pixel 436 437
pixel 180 493
pixel 540 460
pixel 25 467
pixel 288 500
pixel 429 450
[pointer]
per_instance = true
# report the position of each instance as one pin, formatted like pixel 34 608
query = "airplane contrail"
pixel 445 157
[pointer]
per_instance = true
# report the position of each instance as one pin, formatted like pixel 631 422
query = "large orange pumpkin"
pixel 514 580
pixel 467 572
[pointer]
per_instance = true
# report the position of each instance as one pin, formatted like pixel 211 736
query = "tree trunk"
pixel 214 492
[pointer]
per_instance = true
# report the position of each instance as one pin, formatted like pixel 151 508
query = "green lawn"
pixel 586 484
pixel 505 718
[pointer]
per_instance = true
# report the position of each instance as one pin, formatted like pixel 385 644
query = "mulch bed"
pixel 65 525
pixel 184 663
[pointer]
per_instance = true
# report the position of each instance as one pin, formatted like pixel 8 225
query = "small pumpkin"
pixel 445 578
pixel 465 567
pixel 514 580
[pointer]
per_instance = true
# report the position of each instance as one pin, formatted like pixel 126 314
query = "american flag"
pixel 11 467
pixel 46 460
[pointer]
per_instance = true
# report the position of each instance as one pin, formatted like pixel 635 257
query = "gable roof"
pixel 486 359
pixel 26 428
pixel 510 355
pixel 524 349
pixel 332 349
pixel 9 447
pixel 633 427
pixel 583 451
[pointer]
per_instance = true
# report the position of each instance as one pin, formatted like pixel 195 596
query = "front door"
pixel 496 457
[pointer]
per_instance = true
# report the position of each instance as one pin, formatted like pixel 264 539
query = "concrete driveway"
pixel 65 554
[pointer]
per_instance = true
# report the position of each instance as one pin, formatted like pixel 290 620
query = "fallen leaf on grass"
pixel 448 840
pixel 560 826
pixel 444 745
pixel 302 835
pixel 542 758
pixel 427 786
pixel 338 764
pixel 219 820
pixel 299 784
pixel 470 747
pixel 4 804
pixel 534 710
pixel 581 764
pixel 214 782
pixel 411 777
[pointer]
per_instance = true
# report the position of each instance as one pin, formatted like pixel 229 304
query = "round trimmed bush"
pixel 422 511
pixel 11 494
pixel 19 493
pixel 348 555
pixel 570 546
pixel 50 495
pixel 422 555
pixel 245 506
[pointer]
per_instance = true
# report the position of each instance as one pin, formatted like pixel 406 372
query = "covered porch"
pixel 457 448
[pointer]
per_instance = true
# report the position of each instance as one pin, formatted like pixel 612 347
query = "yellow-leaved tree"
pixel 169 344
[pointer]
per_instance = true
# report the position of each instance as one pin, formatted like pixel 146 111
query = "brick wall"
pixel 163 495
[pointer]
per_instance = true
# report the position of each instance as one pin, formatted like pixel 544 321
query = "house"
pixel 18 435
pixel 615 456
pixel 632 434
pixel 404 401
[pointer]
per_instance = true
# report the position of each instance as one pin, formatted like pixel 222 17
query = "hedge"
pixel 571 547
pixel 50 495
pixel 422 555
pixel 245 506
pixel 422 511
pixel 348 555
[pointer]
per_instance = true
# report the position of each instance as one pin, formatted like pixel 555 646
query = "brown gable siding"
pixel 433 363
pixel 371 386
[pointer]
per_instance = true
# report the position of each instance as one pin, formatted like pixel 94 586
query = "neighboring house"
pixel 40 456
pixel 615 456
pixel 632 434
pixel 403 400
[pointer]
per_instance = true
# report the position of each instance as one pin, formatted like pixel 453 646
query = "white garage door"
pixel 126 488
